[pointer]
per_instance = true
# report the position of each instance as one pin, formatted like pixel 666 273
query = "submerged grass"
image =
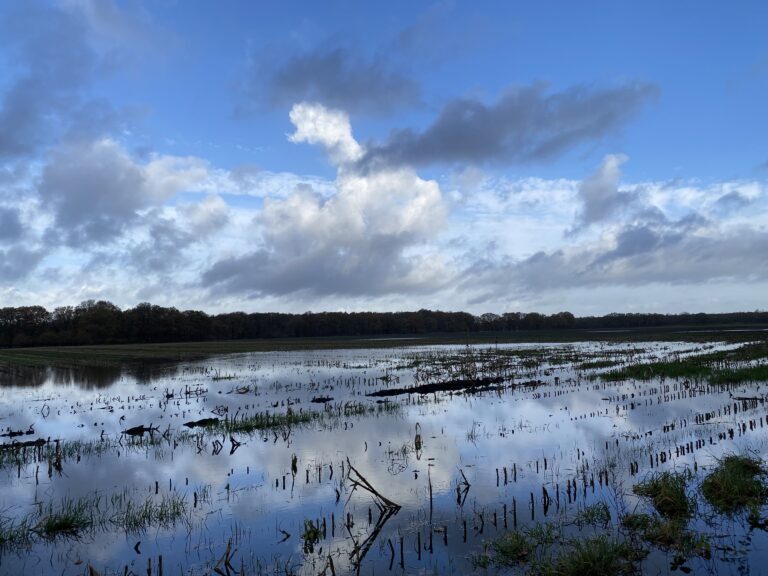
pixel 134 516
pixel 70 519
pixel 545 551
pixel 74 517
pixel 596 556
pixel 666 491
pixel 266 420
pixel 720 367
pixel 14 532
pixel 736 483
pixel 597 514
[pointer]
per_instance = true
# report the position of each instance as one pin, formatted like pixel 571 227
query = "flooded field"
pixel 425 460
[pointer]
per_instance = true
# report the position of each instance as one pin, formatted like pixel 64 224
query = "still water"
pixel 405 483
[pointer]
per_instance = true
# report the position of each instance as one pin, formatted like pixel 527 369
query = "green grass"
pixel 596 556
pixel 138 516
pixel 70 519
pixel 120 354
pixel 249 423
pixel 736 483
pixel 721 367
pixel 311 536
pixel 513 548
pixel 594 515
pixel 14 533
pixel 666 491
pixel 668 534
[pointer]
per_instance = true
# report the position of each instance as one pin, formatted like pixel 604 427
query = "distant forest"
pixel 104 323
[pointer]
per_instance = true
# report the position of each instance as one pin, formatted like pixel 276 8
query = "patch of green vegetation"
pixel 137 516
pixel 739 375
pixel 674 369
pixel 668 534
pixel 596 556
pixel 736 483
pixel 666 491
pixel 594 515
pixel 595 364
pixel 14 533
pixel 70 519
pixel 512 549
pixel 720 367
pixel 128 354
pixel 311 536
pixel 266 421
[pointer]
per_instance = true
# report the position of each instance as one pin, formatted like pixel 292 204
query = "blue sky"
pixel 491 156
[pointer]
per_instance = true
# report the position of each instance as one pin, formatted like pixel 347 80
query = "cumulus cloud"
pixel 96 189
pixel 333 76
pixel 363 240
pixel 316 124
pixel 599 193
pixel 654 235
pixel 527 124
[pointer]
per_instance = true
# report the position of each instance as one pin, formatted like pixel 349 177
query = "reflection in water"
pixel 417 484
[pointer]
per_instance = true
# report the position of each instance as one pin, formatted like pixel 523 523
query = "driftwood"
pixel 15 433
pixel 29 443
pixel 225 562
pixel 141 430
pixel 204 422
pixel 386 507
pixel 446 386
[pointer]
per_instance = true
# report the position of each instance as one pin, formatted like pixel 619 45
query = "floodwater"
pixel 403 484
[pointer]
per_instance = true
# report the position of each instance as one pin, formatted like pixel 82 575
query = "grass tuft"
pixel 595 556
pixel 512 548
pixel 70 519
pixel 735 484
pixel 666 491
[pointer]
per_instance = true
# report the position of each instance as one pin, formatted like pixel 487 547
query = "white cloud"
pixel 364 239
pixel 316 124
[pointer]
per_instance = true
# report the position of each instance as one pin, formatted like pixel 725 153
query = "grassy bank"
pixel 121 354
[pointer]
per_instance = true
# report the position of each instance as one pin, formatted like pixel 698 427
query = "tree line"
pixel 101 322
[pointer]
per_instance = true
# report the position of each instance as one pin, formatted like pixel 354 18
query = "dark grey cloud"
pixel 10 224
pixel 600 196
pixel 58 50
pixel 685 251
pixel 333 76
pixel 527 124
pixel 17 262
pixel 49 46
pixel 732 202
pixel 373 268
pixel 161 252
pixel 94 190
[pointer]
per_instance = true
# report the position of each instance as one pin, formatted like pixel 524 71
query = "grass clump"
pixel 73 517
pixel 267 421
pixel 594 515
pixel 14 532
pixel 595 556
pixel 513 548
pixel 666 491
pixel 137 516
pixel 668 534
pixel 311 536
pixel 735 484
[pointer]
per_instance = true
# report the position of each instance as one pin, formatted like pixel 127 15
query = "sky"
pixel 344 156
